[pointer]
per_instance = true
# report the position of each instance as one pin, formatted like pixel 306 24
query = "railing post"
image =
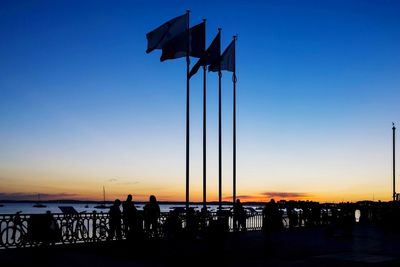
pixel 94 224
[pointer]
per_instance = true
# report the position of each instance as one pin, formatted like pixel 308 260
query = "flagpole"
pixel 234 127
pixel 394 162
pixel 219 135
pixel 187 113
pixel 204 139
pixel 204 136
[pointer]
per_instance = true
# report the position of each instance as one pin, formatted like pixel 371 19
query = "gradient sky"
pixel 82 105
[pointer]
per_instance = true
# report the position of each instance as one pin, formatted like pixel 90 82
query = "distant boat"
pixel 1 205
pixel 102 206
pixel 39 205
pixel 86 206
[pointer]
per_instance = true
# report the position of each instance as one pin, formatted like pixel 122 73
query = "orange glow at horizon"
pixel 95 194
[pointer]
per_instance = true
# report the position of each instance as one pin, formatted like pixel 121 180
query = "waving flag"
pixel 210 56
pixel 157 38
pixel 177 47
pixel 227 61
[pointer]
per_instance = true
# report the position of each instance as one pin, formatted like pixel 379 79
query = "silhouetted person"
pixel 223 221
pixel 324 217
pixel 347 219
pixel 17 224
pixel 52 233
pixel 192 223
pixel 151 216
pixel 204 217
pixel 364 215
pixel 239 216
pixel 316 214
pixel 173 225
pixel 272 217
pixel 293 217
pixel 129 216
pixel 115 220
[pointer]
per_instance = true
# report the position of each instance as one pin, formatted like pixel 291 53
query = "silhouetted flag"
pixel 177 47
pixel 227 59
pixel 157 38
pixel 210 56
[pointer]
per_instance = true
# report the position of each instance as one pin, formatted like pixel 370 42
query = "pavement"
pixel 367 246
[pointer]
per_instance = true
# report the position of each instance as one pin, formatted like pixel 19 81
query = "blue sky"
pixel 81 103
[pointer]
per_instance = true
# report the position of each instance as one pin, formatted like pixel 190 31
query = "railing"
pixel 18 230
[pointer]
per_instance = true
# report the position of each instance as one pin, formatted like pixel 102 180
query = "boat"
pixel 38 204
pixel 103 205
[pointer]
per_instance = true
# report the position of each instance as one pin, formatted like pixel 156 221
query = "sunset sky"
pixel 83 106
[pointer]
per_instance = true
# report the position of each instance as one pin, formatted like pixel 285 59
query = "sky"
pixel 83 106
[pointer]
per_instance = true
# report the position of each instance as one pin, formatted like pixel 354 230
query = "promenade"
pixel 368 246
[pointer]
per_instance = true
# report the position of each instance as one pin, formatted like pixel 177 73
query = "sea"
pixel 27 208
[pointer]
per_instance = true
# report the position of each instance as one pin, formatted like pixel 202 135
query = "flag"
pixel 227 61
pixel 210 56
pixel 177 47
pixel 157 38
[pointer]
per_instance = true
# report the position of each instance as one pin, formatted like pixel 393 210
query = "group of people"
pixel 147 222
pixel 139 223
pixel 132 219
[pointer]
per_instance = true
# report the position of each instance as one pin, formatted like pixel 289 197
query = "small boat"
pixel 38 204
pixel 86 206
pixel 102 206
pixel 1 205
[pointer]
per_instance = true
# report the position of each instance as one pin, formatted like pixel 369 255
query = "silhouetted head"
pixel 117 202
pixel 238 201
pixel 272 201
pixel 153 199
pixel 129 197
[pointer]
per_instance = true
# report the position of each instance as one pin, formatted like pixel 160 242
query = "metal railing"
pixel 18 230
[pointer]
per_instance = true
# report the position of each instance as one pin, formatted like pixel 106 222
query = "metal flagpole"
pixel 220 135
pixel 187 113
pixel 394 162
pixel 204 136
pixel 234 126
pixel 204 139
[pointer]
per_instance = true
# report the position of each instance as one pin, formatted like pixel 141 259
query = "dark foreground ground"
pixel 368 246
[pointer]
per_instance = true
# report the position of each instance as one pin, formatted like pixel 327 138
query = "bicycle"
pixel 73 228
pixel 101 230
pixel 15 234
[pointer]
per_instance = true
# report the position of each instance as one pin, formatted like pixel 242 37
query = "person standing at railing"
pixel 272 217
pixel 115 220
pixel 192 224
pixel 173 225
pixel 129 216
pixel 239 216
pixel 151 216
